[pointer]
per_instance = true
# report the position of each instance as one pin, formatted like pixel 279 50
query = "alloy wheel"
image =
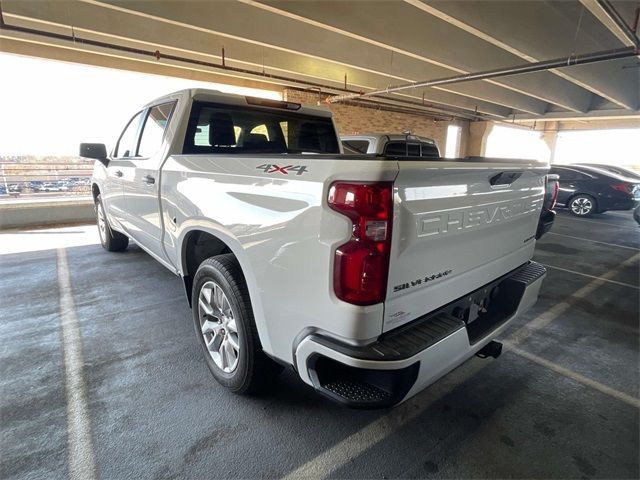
pixel 218 326
pixel 102 224
pixel 581 206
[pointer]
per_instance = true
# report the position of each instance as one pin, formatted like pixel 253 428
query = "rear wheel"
pixel 110 239
pixel 226 328
pixel 582 205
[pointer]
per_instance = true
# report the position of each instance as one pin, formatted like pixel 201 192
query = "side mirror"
pixel 97 151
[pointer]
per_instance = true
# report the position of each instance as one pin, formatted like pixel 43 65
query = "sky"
pixel 614 147
pixel 49 107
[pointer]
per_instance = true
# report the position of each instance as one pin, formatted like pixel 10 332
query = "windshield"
pixel 228 129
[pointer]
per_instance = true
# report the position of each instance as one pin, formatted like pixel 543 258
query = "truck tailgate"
pixel 457 226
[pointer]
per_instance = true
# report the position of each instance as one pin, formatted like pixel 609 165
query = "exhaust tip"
pixel 491 349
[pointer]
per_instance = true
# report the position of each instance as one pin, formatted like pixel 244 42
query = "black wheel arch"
pixel 198 245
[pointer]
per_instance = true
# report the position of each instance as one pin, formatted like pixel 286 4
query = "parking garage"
pixel 101 374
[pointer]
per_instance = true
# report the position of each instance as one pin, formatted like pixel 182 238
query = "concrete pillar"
pixel 477 139
pixel 550 137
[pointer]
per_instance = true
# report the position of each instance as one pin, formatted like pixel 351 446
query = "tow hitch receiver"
pixel 491 349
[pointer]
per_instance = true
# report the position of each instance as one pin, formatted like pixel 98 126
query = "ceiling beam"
pixel 554 91
pixel 584 59
pixel 616 114
pixel 96 50
pixel 108 25
pixel 278 32
pixel 480 21
pixel 610 18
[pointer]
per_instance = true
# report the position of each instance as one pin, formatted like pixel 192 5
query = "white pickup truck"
pixel 372 276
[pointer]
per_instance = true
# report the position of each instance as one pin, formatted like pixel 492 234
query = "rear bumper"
pixel 404 361
pixel 545 223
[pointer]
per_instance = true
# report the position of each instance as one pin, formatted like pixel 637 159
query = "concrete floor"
pixel 561 402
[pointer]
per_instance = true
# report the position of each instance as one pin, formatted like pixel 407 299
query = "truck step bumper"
pixel 404 361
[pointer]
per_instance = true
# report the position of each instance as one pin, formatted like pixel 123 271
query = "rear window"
pixel 430 151
pixel 355 146
pixel 401 149
pixel 233 130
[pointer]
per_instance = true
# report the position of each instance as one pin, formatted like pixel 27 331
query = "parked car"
pixel 587 190
pixel 57 186
pixel 623 172
pixel 636 214
pixel 390 144
pixel 371 277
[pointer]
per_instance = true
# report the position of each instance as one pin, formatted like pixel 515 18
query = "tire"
pixel 226 329
pixel 111 240
pixel 582 205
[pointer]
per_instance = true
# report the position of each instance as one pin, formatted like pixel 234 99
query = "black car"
pixel 623 172
pixel 586 190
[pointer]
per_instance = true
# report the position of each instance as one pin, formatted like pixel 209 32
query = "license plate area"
pixel 488 307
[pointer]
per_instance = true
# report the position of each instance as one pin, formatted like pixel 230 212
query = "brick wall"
pixel 350 119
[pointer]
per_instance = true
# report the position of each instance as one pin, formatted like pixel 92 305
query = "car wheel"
pixel 226 328
pixel 582 205
pixel 111 240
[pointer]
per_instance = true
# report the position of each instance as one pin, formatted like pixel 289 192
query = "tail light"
pixel 361 265
pixel 623 187
pixel 551 186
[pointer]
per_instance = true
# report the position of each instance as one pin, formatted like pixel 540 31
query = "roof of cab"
pixel 217 96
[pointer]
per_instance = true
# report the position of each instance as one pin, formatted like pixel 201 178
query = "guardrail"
pixel 40 179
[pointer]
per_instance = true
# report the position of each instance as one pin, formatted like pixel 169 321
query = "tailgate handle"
pixel 504 178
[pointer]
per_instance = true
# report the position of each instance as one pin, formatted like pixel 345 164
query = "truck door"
pixel 113 195
pixel 141 182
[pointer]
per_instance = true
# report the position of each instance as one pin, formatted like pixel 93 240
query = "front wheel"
pixel 111 240
pixel 226 328
pixel 582 205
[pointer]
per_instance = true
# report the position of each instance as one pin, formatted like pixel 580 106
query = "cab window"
pixel 153 130
pixel 128 141
pixel 355 146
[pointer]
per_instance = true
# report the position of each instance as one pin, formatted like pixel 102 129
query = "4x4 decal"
pixel 273 168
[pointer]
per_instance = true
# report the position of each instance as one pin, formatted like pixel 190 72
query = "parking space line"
pixel 594 241
pixel 559 308
pixel 633 401
pixel 79 442
pixel 358 442
pixel 566 217
pixel 592 276
pixel 340 454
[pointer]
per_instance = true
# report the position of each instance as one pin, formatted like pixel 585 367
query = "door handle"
pixel 149 180
pixel 118 173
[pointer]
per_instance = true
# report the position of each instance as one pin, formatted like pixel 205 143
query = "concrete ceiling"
pixel 360 45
